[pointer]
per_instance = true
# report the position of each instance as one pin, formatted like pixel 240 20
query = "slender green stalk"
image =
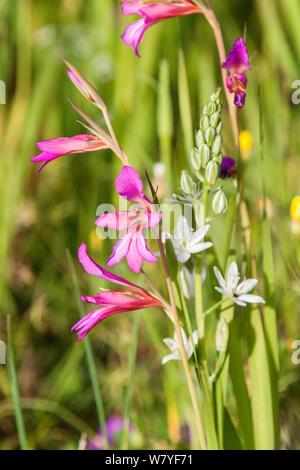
pixel 89 357
pixel 132 363
pixel 15 389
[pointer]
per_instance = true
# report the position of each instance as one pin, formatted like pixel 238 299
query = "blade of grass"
pixel 15 389
pixel 89 357
pixel 165 118
pixel 270 320
pixel 185 104
pixel 128 396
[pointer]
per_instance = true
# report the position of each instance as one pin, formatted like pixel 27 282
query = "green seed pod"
pixel 214 119
pixel 200 139
pixel 204 122
pixel 199 176
pixel 211 172
pixel 217 145
pixel 219 108
pixel 220 203
pixel 218 158
pixel 211 108
pixel 199 211
pixel 222 336
pixel 204 152
pixel 210 135
pixel 186 183
pixel 219 127
pixel 195 159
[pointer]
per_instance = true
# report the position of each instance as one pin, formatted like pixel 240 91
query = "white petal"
pixel 183 231
pixel 251 299
pixel 199 247
pixel 199 234
pixel 219 277
pixel 195 337
pixel 183 256
pixel 171 357
pixel 246 286
pixel 232 277
pixel 222 291
pixel 184 338
pixel 171 343
pixel 239 302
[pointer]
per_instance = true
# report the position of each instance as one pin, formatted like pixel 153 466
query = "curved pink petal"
pixel 153 218
pixel 134 34
pixel 131 8
pixel 129 184
pixel 91 267
pixel 76 144
pixel 115 220
pixel 143 250
pixel 163 11
pixel 238 59
pixel 133 258
pixel 120 249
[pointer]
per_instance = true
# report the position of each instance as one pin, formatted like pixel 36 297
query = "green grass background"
pixel 42 215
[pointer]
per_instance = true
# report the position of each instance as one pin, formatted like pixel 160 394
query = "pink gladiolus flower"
pixel 150 15
pixel 110 302
pixel 132 243
pixel 237 63
pixel 55 148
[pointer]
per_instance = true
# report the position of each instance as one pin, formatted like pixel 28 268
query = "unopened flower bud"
pixel 211 172
pixel 214 119
pixel 210 135
pixel 186 182
pixel 200 139
pixel 204 122
pixel 219 127
pixel 218 158
pixel 217 145
pixel 211 108
pixel 220 203
pixel 222 336
pixel 187 283
pixel 204 152
pixel 195 159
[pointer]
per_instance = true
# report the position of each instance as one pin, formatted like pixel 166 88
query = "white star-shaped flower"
pixel 173 345
pixel 186 242
pixel 235 291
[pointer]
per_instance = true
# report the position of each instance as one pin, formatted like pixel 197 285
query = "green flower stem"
pixel 15 390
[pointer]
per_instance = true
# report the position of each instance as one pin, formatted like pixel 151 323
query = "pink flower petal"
pixel 129 185
pixel 143 250
pixel 120 249
pixel 91 267
pixel 153 218
pixel 115 220
pixel 238 59
pixel 134 259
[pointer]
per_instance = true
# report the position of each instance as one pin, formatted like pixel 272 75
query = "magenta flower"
pixel 114 425
pixel 228 168
pixel 110 302
pixel 55 148
pixel 141 216
pixel 150 15
pixel 237 63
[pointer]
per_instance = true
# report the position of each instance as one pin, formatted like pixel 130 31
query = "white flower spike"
pixel 238 293
pixel 173 345
pixel 186 242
